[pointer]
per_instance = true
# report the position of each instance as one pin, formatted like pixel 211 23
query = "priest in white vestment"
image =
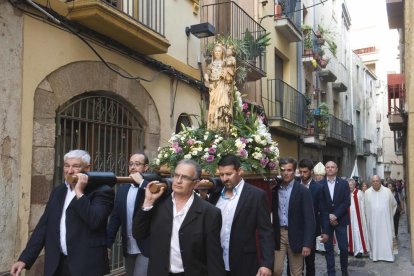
pixel 380 207
pixel 357 229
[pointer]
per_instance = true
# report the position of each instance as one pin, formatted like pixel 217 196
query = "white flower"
pixel 257 155
pixel 187 156
pixel 239 144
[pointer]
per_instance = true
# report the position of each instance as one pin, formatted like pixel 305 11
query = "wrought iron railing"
pixel 150 13
pixel 284 102
pixel 340 130
pixel 229 19
pixel 291 11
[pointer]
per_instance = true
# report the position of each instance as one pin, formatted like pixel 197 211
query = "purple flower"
pixel 190 142
pixel 212 150
pixel 243 153
pixel 178 149
pixel 244 140
pixel 266 150
pixel 210 158
pixel 271 165
pixel 245 106
pixel 264 162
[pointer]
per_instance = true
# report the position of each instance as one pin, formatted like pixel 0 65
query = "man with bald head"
pixel 380 206
pixel 336 199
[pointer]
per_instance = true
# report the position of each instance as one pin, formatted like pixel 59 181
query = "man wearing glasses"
pixel 184 229
pixel 127 201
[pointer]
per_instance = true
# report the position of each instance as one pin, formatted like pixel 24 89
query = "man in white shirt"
pixel 127 201
pixel 245 211
pixel 72 229
pixel 183 228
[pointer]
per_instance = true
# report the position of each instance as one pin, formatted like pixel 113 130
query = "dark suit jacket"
pixel 340 203
pixel 301 218
pixel 317 197
pixel 199 237
pixel 118 218
pixel 252 214
pixel 86 220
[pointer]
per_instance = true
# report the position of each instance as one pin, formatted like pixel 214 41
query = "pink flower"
pixel 264 162
pixel 244 140
pixel 210 158
pixel 243 153
pixel 178 149
pixel 190 142
pixel 245 106
pixel 266 150
pixel 247 114
pixel 212 150
pixel 271 165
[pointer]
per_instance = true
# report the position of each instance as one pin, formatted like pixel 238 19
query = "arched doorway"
pixel 107 127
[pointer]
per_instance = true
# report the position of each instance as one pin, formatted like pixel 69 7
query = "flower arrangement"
pixel 249 139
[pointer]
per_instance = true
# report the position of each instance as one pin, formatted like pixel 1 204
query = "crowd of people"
pixel 234 230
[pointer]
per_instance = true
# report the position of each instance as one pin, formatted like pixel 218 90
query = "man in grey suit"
pixel 184 229
pixel 245 211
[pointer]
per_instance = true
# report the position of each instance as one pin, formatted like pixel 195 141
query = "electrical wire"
pixel 271 15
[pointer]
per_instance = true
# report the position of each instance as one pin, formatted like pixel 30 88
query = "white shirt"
pixel 176 262
pixel 331 186
pixel 70 194
pixel 132 247
pixel 228 208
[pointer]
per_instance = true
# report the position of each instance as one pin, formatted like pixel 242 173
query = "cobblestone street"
pixel 365 267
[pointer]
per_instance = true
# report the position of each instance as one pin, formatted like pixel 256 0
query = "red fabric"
pixel 355 197
pixel 350 243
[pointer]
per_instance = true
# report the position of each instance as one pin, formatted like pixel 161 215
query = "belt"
pixel 284 227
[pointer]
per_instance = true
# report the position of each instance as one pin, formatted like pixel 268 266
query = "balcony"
pixel 396 101
pixel 285 107
pixel 316 133
pixel 363 147
pixel 229 19
pixel 287 20
pixel 340 132
pixel 139 24
pixel 395 11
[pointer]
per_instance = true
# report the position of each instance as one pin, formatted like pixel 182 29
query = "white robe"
pixel 380 207
pixel 357 230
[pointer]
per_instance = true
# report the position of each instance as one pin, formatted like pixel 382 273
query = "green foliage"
pixel 256 46
pixel 323 116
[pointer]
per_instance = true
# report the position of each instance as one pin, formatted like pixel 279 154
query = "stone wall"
pixel 11 28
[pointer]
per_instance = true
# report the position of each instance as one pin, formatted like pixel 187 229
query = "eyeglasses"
pixel 183 177
pixel 136 164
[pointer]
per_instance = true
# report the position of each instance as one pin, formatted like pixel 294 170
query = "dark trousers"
pixel 63 268
pixel 396 221
pixel 342 241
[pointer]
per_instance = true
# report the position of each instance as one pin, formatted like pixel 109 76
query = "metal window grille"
pixel 109 130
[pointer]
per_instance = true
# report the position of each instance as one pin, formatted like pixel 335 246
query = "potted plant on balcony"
pixel 322 113
pixel 255 46
pixel 307 45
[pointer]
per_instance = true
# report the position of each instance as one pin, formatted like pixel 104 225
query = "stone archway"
pixel 59 87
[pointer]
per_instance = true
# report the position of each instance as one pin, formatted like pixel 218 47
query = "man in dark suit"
pixel 336 197
pixel 245 210
pixel 293 220
pixel 305 170
pixel 72 228
pixel 184 229
pixel 127 201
